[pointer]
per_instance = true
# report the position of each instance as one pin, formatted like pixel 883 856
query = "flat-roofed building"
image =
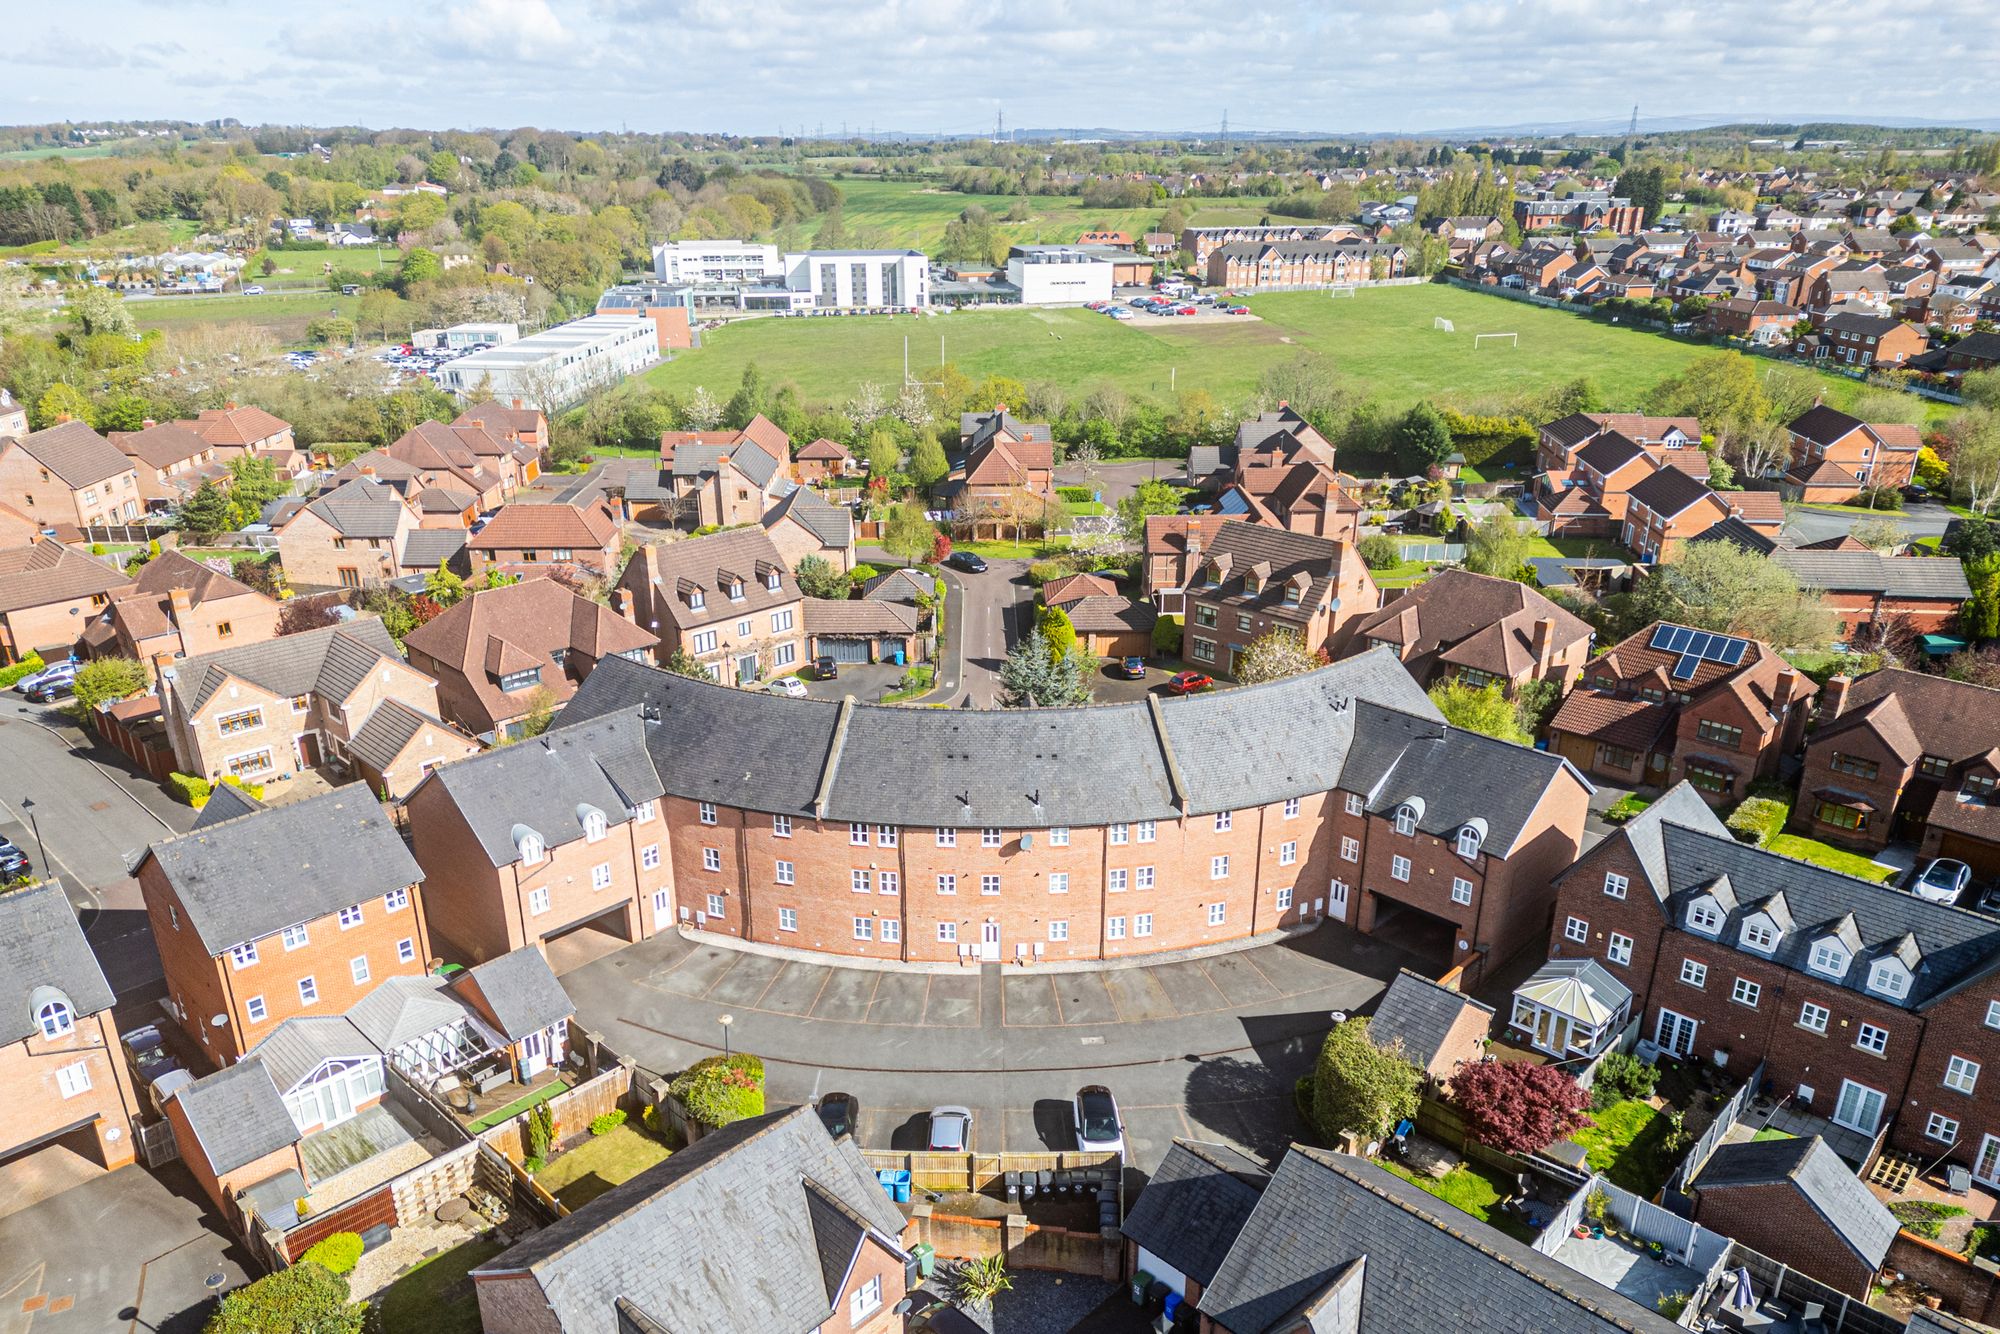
pixel 558 366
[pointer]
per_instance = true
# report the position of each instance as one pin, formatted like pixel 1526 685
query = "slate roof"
pixel 49 572
pixel 845 618
pixel 545 783
pixel 1937 577
pixel 1953 942
pixel 428 548
pixel 1425 1265
pixel 1095 765
pixel 390 728
pixel 764 1246
pixel 401 1009
pixel 360 508
pixel 1824 1183
pixel 1669 491
pixel 330 661
pixel 44 957
pixel 237 1115
pixel 832 524
pixel 225 802
pixel 521 993
pixel 1824 425
pixel 1196 1202
pixel 77 455
pixel 1608 453
pixel 249 878
pixel 1418 1013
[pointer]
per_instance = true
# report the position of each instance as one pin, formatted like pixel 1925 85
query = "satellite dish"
pixel 219 1021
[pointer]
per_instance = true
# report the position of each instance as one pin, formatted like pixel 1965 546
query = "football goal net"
pixel 1440 322
pixel 1513 339
pixel 1339 291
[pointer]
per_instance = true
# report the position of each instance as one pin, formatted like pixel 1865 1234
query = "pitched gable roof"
pixel 1194 1205
pixel 49 572
pixel 238 426
pixel 44 957
pixel 360 508
pixel 1419 1013
pixel 77 455
pixel 248 878
pixel 237 1116
pixel 161 445
pixel 1824 1184
pixel 330 661
pixel 832 525
pixel 520 527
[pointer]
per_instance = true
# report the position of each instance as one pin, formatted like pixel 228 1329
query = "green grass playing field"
pixel 285 315
pixel 907 213
pixel 1381 339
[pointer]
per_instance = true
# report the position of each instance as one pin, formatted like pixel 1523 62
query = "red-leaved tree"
pixel 940 548
pixel 1519 1107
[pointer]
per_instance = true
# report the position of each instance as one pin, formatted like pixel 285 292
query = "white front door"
pixel 1336 902
pixel 1674 1034
pixel 1987 1165
pixel 1860 1107
pixel 534 1054
pixel 663 910
pixel 989 942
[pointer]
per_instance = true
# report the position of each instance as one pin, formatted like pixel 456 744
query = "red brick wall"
pixel 1885 789
pixel 1955 1026
pixel 1775 1221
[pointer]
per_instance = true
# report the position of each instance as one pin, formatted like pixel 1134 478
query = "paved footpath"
pixel 1207 1047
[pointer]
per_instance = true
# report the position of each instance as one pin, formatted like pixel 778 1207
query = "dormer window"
pixel 1468 842
pixel 55 1019
pixel 697 600
pixel 1976 787
pixel 771 581
pixel 1760 935
pixel 736 591
pixel 1829 959
pixel 1705 917
pixel 514 681
pixel 593 825
pixel 1889 978
pixel 528 844
pixel 1406 820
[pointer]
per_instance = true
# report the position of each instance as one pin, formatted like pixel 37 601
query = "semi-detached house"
pixel 1105 832
pixel 68 473
pixel 1866 1005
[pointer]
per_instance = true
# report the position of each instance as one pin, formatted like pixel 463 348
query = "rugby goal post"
pixel 1440 322
pixel 1513 339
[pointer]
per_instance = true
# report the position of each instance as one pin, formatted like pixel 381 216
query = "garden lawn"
pixel 1628 1146
pixel 599 1163
pixel 436 1297
pixel 1832 858
pixel 1470 1189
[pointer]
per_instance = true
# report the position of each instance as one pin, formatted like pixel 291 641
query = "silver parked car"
pixel 950 1129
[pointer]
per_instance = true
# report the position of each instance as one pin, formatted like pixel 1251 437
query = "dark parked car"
pixel 839 1112
pixel 1187 683
pixel 1098 1129
pixel 13 861
pixel 825 668
pixel 1134 669
pixel 48 692
pixel 969 561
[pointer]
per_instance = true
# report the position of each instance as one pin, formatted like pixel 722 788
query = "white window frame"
pixel 1218 866
pixel 1145 831
pixel 989 883
pixel 711 860
pixel 1350 849
pixel 1694 973
pixel 243 955
pixel 1285 899
pixel 717 906
pixel 784 873
pixel 357 968
pixel 295 937
pixel 1288 854
pixel 1225 821
pixel 890 930
pixel 1119 835
pixel 649 857
pixel 1406 820
pixel 1116 880
pixel 889 882
pixel 1576 931
pixel 885 836
pixel 1461 889
pixel 1114 928
pixel 861 880
pixel 947 932
pixel 1142 925
pixel 1399 868
pixel 1059 882
pixel 1355 805
pixel 308 990
pixel 1468 842
pixel 992 838
pixel 1615 885
pixel 1058 931
pixel 781 826
pixel 255 1010
pixel 1142 877
pixel 1872 1038
pixel 538 901
pixel 788 919
pixel 1618 949
pixel 857 834
pixel 1291 808
pixel 600 874
pixel 1746 993
pixel 350 917
pixel 1059 836
pixel 705 812
pixel 1218 914
pixel 396 900
pixel 945 838
pixel 1961 1075
pixel 1942 1128
pixel 947 883
pixel 73 1079
pixel 406 950
pixel 864 928
pixel 1813 1018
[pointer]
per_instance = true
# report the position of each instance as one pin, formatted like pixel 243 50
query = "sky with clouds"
pixel 759 66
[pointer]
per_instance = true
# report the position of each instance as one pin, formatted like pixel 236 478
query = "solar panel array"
pixel 1697 647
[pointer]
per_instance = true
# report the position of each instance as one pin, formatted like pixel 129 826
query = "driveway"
pixel 1810 525
pixel 990 612
pixel 130 1251
pixel 1115 481
pixel 1192 1046
pixel 95 816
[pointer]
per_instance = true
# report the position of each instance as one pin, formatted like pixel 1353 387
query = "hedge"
pixel 25 667
pixel 1479 437
pixel 610 1121
pixel 719 1090
pixel 1759 820
pixel 188 790
pixel 1079 494
pixel 1167 636
pixel 338 1251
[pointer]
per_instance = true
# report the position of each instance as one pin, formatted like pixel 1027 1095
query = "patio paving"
pixel 1625 1269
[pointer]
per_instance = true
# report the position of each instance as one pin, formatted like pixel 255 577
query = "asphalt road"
pixel 1810 525
pixel 1115 481
pixel 94 817
pixel 1208 1047
pixel 990 612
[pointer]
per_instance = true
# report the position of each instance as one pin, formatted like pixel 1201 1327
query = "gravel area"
pixel 1039 1303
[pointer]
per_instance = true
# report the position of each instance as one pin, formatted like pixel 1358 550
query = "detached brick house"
pixel 806 1242
pixel 1480 630
pixel 1174 547
pixel 49 594
pixel 171 462
pixel 1251 580
pixel 1673 703
pixel 1867 341
pixel 1834 456
pixel 496 650
pixel 351 537
pixel 69 1091
pixel 804 524
pixel 533 840
pixel 1002 456
pixel 460 458
pixel 291 910
pixel 716 478
pixel 1867 1005
pixel 822 461
pixel 235 431
pixel 728 599
pixel 523 539
pixel 1666 509
pixel 179 608
pixel 69 473
pixel 1905 755
pixel 267 711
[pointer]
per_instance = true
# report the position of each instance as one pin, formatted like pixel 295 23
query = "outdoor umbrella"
pixel 1743 1299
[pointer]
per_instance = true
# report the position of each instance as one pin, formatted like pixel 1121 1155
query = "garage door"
pixel 1981 856
pixel 845 650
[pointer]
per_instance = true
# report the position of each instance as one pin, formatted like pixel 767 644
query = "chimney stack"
pixel 182 600
pixel 1833 702
pixel 146 422
pixel 163 668
pixel 621 602
pixel 1544 641
pixel 1787 686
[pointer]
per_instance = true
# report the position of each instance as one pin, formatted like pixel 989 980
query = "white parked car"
pixel 1098 1129
pixel 950 1129
pixel 788 685
pixel 1942 881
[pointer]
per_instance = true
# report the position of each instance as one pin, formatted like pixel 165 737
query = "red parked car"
pixel 1187 683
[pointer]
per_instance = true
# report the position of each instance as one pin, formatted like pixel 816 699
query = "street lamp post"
pixel 726 1020
pixel 28 806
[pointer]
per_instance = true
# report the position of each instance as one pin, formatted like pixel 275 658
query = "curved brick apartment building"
pixel 1011 836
